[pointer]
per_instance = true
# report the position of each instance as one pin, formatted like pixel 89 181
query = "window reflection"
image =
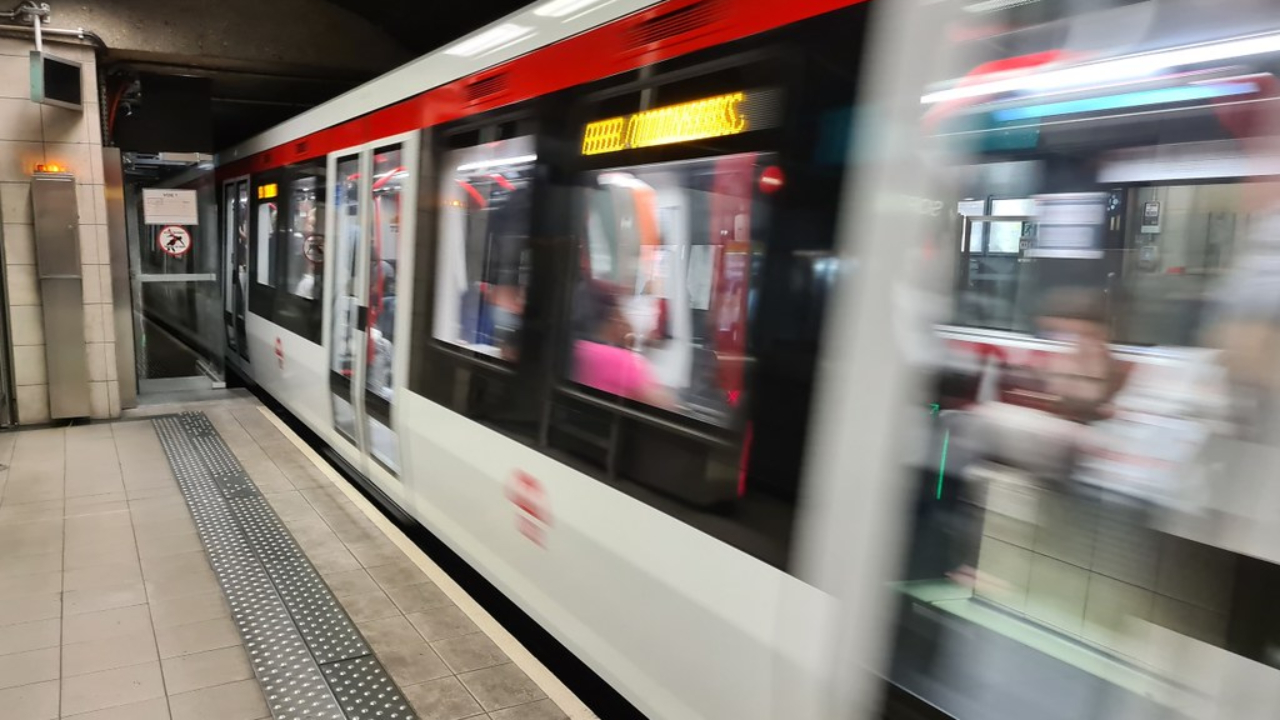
pixel 662 304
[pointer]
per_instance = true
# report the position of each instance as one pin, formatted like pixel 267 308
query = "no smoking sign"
pixel 174 240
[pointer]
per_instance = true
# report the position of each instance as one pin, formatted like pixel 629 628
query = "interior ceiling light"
pixel 1109 71
pixel 489 40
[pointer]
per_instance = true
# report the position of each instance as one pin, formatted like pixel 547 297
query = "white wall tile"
pixel 113 396
pixel 19 244
pixel 15 46
pixel 19 120
pixel 26 325
pixel 103 242
pixel 62 125
pixel 95 163
pixel 1003 573
pixel 1111 609
pixel 88 244
pixel 90 284
pixel 95 356
pixel 19 159
pixel 109 350
pixel 15 76
pixel 93 122
pixel 29 365
pixel 72 156
pixel 22 287
pixel 84 204
pixel 1057 593
pixel 108 323
pixel 99 402
pixel 93 324
pixel 15 202
pixel 33 404
pixel 104 282
pixel 99 203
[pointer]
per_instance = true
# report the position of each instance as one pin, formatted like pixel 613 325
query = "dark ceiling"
pixel 247 100
pixel 424 26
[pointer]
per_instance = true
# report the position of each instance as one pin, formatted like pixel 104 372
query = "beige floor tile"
pixel 154 709
pixel 36 635
pixel 105 624
pixel 197 582
pixel 369 606
pixel 386 632
pixel 30 564
pixel 29 667
pixel 39 584
pixel 469 652
pixel 107 654
pixel 375 554
pixel 418 598
pixel 20 609
pixel 170 545
pixel 540 710
pixel 501 687
pixel 189 609
pixel 94 500
pixel 354 582
pixel 442 623
pixel 206 669
pixel 443 699
pixel 100 576
pixel 38 701
pixel 234 701
pixel 412 661
pixel 88 556
pixel 111 688
pixel 77 602
pixel 333 561
pixel 197 637
pixel 397 574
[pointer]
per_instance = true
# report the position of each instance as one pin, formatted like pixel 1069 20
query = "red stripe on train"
pixel 593 55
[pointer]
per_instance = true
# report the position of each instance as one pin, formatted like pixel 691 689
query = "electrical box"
pixel 57 235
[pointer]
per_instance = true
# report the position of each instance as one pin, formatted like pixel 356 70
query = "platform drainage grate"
pixel 307 654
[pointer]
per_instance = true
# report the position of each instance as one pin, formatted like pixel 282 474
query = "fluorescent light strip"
pixel 1158 96
pixel 497 162
pixel 1112 70
pixel 560 8
pixel 490 39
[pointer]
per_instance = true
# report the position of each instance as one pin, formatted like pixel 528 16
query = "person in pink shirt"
pixel 605 361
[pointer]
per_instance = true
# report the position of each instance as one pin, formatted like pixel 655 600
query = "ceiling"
pixel 421 27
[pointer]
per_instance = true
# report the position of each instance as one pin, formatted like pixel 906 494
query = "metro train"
pixel 568 292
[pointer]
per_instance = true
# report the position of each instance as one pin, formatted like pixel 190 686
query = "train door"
pixel 371 199
pixel 235 236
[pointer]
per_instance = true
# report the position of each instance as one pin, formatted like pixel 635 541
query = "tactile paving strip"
pixel 308 656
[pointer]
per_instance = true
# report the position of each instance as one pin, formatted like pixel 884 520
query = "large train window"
pixel 662 301
pixel 483 258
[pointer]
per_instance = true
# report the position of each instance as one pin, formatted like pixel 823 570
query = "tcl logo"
pixel 533 512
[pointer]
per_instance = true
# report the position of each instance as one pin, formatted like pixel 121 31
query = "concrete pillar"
pixel 31 134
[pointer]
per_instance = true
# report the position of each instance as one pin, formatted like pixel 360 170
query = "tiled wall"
pixel 32 134
pixel 1087 566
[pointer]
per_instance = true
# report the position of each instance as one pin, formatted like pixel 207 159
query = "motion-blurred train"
pixel 660 315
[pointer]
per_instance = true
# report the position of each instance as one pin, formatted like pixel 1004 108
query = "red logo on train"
pixel 280 353
pixel 533 512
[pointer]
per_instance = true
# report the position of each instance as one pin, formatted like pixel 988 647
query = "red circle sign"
pixel 174 240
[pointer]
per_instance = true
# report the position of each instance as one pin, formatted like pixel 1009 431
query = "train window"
pixel 389 175
pixel 304 237
pixel 268 219
pixel 664 293
pixel 346 302
pixel 483 258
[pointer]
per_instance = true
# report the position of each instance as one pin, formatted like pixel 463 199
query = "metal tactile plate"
pixel 365 691
pixel 299 639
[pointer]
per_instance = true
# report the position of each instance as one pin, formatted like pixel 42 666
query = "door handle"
pixel 362 318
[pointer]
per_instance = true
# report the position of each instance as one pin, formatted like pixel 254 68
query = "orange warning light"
pixel 48 168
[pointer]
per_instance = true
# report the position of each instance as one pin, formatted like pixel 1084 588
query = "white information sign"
pixel 169 207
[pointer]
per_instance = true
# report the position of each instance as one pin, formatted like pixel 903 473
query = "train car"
pixel 556 290
pixel 634 307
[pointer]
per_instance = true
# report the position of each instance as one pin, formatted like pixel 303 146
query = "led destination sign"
pixel 707 118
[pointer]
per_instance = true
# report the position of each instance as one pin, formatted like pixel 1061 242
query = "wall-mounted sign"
pixel 169 207
pixel 1150 217
pixel 711 117
pixel 55 81
pixel 174 240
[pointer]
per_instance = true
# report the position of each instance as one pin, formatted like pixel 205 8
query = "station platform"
pixel 199 561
